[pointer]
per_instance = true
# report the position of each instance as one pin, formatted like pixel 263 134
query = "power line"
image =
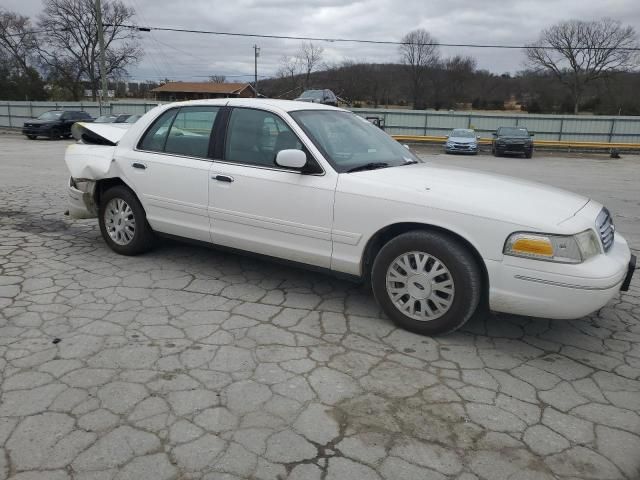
pixel 339 40
pixel 357 40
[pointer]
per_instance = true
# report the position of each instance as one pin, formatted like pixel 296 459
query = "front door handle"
pixel 141 166
pixel 223 178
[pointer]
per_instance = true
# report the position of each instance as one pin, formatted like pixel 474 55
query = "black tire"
pixel 528 154
pixel 463 271
pixel 31 137
pixel 54 134
pixel 142 238
pixel 67 135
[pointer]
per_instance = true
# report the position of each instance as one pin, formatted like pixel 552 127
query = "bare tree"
pixel 419 51
pixel 458 72
pixel 17 40
pixel 218 79
pixel 70 45
pixel 310 57
pixel 578 53
pixel 289 68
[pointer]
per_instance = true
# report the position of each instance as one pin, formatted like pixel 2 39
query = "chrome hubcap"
pixel 420 286
pixel 119 221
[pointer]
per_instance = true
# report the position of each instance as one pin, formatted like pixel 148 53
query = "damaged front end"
pixel 89 161
pixel 82 198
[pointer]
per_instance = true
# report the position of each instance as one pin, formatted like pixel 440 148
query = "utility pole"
pixel 103 62
pixel 256 54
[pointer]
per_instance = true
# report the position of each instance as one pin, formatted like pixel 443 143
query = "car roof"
pixel 266 103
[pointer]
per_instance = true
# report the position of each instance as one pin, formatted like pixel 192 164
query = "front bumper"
pixel 36 130
pixel 82 198
pixel 551 290
pixel 471 148
pixel 514 148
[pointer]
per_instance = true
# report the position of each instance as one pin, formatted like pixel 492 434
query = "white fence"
pixel 396 122
pixel 14 114
pixel 585 128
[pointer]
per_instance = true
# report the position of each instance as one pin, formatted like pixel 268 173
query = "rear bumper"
pixel 81 199
pixel 542 289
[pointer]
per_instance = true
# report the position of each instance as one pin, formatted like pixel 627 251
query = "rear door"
pixel 256 205
pixel 170 171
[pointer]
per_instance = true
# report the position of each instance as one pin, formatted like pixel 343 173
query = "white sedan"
pixel 320 186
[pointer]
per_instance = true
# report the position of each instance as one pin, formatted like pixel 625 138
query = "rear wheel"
pixel 31 137
pixel 528 154
pixel 123 222
pixel 54 134
pixel 427 282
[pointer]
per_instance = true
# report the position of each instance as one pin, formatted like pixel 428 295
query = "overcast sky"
pixel 184 56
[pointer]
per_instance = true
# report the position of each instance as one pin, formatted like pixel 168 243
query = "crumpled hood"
pixel 468 191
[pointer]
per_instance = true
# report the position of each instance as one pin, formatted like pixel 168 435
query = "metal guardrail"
pixel 437 139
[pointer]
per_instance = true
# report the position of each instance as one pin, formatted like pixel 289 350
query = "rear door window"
pixel 191 131
pixel 155 138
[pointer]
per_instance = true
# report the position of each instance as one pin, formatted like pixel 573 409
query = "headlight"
pixel 553 248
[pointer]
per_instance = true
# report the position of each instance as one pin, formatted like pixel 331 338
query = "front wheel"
pixel 427 282
pixel 31 137
pixel 123 222
pixel 528 154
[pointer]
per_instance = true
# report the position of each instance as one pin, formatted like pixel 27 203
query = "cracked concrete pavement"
pixel 190 363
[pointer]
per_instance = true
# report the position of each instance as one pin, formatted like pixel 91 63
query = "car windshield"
pixel 312 94
pixel 348 141
pixel 463 133
pixel 513 132
pixel 50 116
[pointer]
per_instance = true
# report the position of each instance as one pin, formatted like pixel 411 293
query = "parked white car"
pixel 320 186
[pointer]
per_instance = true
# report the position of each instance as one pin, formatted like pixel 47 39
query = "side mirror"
pixel 532 134
pixel 495 134
pixel 291 158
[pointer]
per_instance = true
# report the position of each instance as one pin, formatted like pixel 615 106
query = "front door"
pixel 258 206
pixel 170 171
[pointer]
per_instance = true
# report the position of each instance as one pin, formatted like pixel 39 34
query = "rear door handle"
pixel 141 166
pixel 223 178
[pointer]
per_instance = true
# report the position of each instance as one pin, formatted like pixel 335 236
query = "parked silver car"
pixel 462 140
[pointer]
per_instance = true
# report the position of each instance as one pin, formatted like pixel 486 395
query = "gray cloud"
pixel 191 57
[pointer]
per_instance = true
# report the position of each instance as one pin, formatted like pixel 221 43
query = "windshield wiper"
pixel 368 166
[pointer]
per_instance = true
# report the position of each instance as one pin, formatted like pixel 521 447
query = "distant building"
pixel 173 91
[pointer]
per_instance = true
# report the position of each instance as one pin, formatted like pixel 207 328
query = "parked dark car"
pixel 516 140
pixel 54 124
pixel 326 97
